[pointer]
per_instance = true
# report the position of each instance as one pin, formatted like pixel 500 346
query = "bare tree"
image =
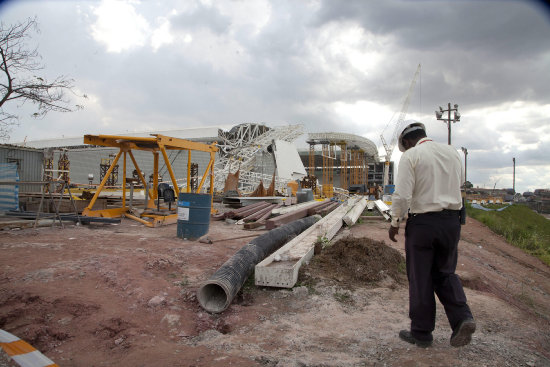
pixel 18 82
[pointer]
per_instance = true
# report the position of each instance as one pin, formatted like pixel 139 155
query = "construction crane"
pixel 389 147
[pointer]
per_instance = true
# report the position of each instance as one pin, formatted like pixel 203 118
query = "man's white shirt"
pixel 428 180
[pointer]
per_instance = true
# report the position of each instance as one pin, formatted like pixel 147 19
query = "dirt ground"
pixel 124 295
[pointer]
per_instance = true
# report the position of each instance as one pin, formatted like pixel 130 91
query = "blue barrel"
pixel 193 215
pixel 389 189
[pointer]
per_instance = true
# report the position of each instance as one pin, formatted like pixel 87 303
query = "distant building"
pixel 375 169
pixel 85 160
pixel 28 162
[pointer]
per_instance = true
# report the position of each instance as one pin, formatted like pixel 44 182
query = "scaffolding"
pixel 343 165
pixel 104 166
pixel 328 170
pixel 355 153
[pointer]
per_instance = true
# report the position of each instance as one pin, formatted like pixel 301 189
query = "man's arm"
pixel 402 195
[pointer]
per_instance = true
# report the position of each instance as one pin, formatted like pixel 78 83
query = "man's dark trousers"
pixel 431 241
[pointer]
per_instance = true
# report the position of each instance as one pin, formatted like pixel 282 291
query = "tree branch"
pixel 17 66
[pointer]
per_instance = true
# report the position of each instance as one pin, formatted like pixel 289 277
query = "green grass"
pixel 520 225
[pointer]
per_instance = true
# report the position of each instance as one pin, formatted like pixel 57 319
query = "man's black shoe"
pixel 409 338
pixel 462 335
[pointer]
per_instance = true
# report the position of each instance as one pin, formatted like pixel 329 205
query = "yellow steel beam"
pixel 169 167
pixel 102 184
pixel 175 143
pixel 161 219
pixel 136 142
pixel 143 181
pixel 155 174
pixel 204 175
pixel 106 213
pixel 138 219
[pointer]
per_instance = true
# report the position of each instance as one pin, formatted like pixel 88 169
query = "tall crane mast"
pixel 389 147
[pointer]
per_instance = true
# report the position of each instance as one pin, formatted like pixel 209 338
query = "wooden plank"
pixel 316 209
pixel 288 209
pixel 280 269
pixel 254 210
pixel 289 217
pixel 324 211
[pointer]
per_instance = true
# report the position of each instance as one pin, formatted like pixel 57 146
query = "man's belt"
pixel 441 213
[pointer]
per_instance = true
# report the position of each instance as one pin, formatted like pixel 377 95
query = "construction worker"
pixel 427 191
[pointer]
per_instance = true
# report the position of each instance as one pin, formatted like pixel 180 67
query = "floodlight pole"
pixel 456 117
pixel 465 163
pixel 514 179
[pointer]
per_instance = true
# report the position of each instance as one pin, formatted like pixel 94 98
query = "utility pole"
pixel 465 163
pixel 514 179
pixel 456 117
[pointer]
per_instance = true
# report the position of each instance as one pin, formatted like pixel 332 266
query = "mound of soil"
pixel 358 261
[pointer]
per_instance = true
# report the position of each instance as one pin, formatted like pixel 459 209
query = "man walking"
pixel 428 190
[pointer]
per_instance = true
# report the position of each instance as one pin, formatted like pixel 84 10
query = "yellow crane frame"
pixel 155 144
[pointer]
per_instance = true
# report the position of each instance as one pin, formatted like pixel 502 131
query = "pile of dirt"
pixel 358 261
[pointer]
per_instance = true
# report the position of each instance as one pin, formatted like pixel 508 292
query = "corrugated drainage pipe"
pixel 217 293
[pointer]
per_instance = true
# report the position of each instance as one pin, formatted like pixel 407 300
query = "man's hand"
pixel 393 232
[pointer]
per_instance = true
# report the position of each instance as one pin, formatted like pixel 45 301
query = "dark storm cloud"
pixel 477 52
pixel 495 27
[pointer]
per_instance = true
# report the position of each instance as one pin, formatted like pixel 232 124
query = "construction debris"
pixel 280 269
pixel 217 293
pixel 232 182
pixel 289 217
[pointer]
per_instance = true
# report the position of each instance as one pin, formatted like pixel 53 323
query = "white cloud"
pixel 250 15
pixel 162 35
pixel 119 26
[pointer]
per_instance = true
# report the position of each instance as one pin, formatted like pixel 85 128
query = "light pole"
pixel 514 179
pixel 465 163
pixel 456 117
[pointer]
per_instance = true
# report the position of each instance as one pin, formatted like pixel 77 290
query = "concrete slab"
pixel 280 269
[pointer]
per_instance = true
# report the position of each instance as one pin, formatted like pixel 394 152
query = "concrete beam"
pixel 280 269
pixel 351 217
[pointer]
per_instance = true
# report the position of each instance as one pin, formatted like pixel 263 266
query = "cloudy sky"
pixel 331 65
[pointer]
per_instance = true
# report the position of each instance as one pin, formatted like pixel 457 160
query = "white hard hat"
pixel 411 126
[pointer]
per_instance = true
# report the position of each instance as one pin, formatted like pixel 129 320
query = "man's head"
pixel 410 135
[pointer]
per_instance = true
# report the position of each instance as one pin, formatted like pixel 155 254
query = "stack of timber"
pixel 248 213
pixel 258 219
pixel 273 215
pixel 280 269
pixel 316 207
pixel 289 209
